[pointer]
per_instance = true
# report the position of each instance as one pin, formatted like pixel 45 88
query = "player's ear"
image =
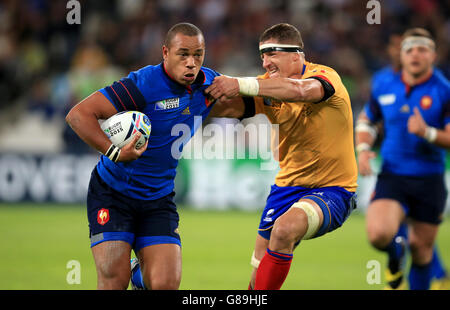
pixel 434 57
pixel 296 57
pixel 165 52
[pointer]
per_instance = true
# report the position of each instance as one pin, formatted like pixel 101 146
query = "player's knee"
pixel 112 276
pixel 379 237
pixel 113 280
pixel 421 250
pixel 287 230
pixel 281 233
pixel 164 282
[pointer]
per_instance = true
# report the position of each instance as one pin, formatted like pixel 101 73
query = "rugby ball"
pixel 122 127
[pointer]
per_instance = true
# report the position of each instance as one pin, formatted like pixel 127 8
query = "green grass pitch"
pixel 37 242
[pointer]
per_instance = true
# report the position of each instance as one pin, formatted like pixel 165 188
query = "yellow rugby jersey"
pixel 315 141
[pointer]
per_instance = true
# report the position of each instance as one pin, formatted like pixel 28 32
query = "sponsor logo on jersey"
pixel 307 110
pixel 426 102
pixel 386 99
pixel 405 109
pixel 103 216
pixel 186 111
pixel 267 218
pixel 167 104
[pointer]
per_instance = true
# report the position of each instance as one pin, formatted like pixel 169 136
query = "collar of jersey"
pixel 425 79
pixel 199 80
pixel 421 81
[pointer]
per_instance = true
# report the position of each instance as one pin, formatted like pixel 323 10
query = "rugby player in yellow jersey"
pixel 314 191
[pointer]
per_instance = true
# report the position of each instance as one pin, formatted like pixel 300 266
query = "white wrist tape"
pixel 365 126
pixel 313 218
pixel 430 134
pixel 363 147
pixel 248 86
pixel 113 153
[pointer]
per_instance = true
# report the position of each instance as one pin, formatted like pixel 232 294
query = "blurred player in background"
pixel 130 198
pixel 394 272
pixel 314 192
pixel 414 105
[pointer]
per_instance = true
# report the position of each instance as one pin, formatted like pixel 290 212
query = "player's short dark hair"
pixel 421 32
pixel 284 33
pixel 184 28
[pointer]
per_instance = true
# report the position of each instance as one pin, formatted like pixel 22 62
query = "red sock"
pixel 272 271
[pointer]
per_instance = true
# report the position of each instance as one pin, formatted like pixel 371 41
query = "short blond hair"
pixel 417 32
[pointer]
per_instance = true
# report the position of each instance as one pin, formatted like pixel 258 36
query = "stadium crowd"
pixel 48 65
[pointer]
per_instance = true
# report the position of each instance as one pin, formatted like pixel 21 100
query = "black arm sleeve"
pixel 328 89
pixel 249 107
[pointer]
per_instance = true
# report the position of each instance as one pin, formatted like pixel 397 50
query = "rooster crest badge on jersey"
pixel 122 127
pixel 426 102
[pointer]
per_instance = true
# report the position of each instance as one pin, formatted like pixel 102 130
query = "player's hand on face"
pixel 129 152
pixel 364 158
pixel 416 123
pixel 223 87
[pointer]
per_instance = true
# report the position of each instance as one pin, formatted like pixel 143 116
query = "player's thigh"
pixel 112 259
pixel 161 266
pixel 110 213
pixel 422 236
pixel 383 219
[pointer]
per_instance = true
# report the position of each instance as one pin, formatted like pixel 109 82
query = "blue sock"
pixel 420 276
pixel 396 250
pixel 438 269
pixel 403 231
pixel 136 277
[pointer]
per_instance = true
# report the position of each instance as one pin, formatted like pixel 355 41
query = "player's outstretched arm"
pixel 365 136
pixel 291 90
pixel 418 126
pixel 83 119
pixel 283 89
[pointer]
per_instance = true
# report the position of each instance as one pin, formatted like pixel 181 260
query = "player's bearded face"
pixel 184 58
pixel 417 60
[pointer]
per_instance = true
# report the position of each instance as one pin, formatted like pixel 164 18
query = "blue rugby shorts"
pixel 422 198
pixel 113 216
pixel 336 204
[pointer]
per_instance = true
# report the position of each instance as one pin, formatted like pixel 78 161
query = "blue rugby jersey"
pixel 392 101
pixel 167 104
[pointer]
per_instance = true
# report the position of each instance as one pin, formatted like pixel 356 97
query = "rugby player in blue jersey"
pixel 130 198
pixel 394 273
pixel 414 106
